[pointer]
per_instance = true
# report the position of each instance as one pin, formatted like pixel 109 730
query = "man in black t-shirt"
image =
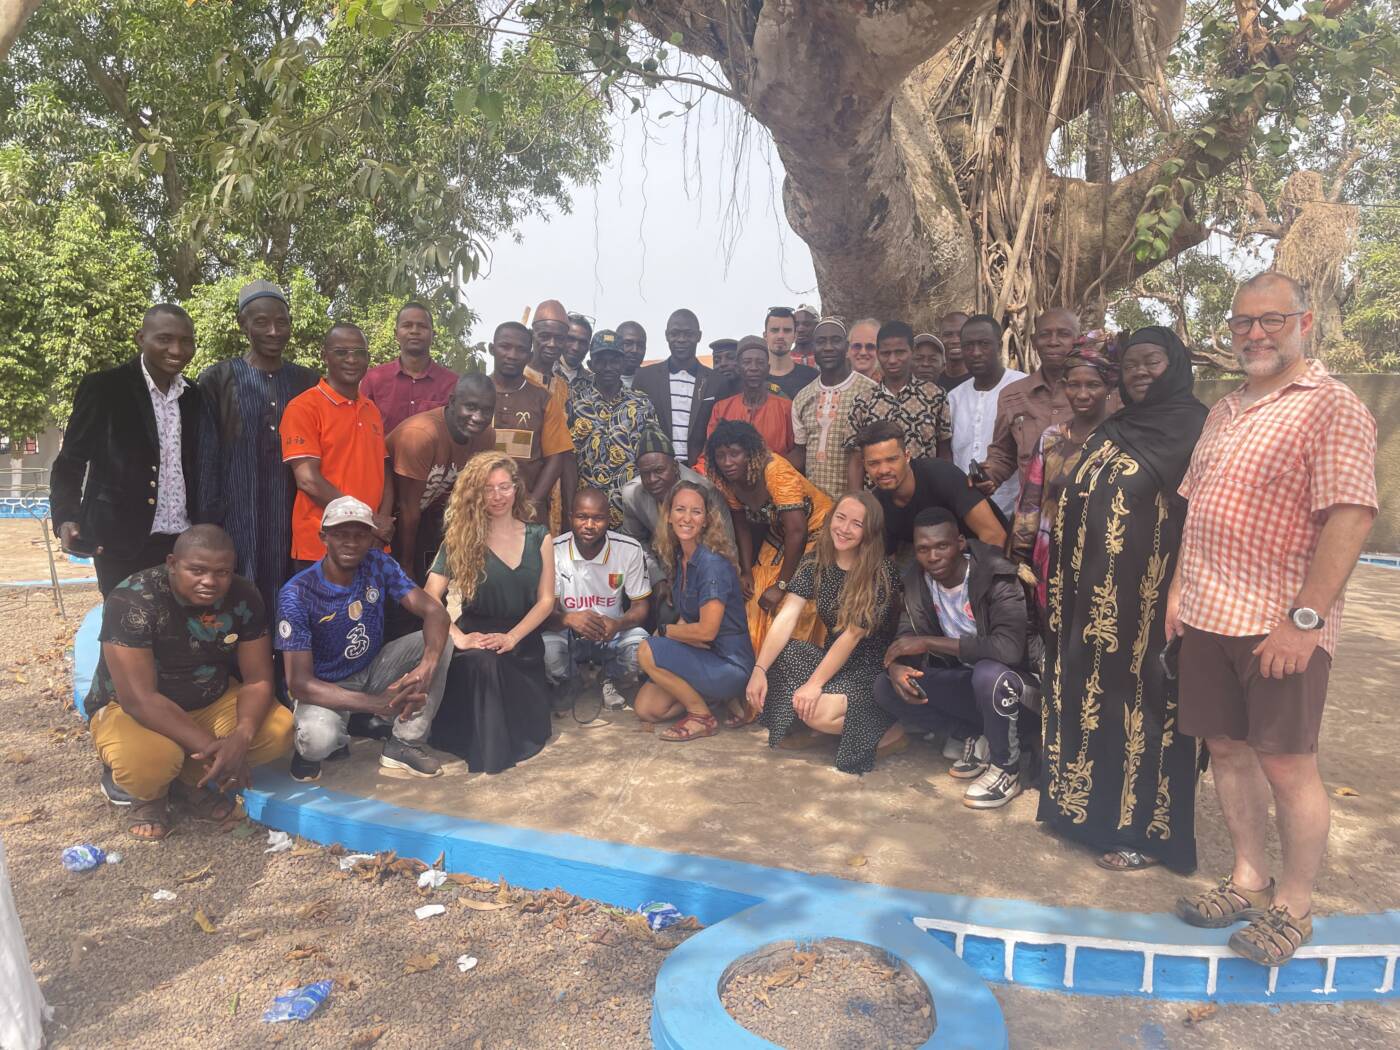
pixel 164 704
pixel 906 486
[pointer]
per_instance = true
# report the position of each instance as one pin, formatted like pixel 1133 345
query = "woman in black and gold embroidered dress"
pixel 1118 775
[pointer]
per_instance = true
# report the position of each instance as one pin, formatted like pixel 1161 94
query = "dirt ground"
pixel 121 969
pixel 22 554
pixel 833 995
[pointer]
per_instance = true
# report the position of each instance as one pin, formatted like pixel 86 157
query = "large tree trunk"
pixel 915 134
pixel 13 15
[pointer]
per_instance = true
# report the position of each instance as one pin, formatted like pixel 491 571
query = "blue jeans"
pixel 564 651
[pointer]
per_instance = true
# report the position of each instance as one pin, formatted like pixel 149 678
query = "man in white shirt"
pixel 973 405
pixel 594 569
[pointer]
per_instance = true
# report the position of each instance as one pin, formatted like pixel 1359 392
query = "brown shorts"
pixel 1223 694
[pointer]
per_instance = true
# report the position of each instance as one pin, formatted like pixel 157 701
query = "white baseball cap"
pixel 347 509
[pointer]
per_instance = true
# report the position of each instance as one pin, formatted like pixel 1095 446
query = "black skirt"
pixel 495 709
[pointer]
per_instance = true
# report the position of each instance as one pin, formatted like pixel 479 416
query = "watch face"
pixel 1305 619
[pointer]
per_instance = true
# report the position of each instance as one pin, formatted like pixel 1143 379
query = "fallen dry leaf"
pixel 204 922
pixel 345 983
pixel 17 757
pixel 20 819
pixel 858 861
pixel 1197 1014
pixel 467 902
pixel 251 935
pixel 925 1010
pixel 305 851
pixel 608 937
pixel 441 860
pixel 368 1037
pixel 560 922
pixel 532 906
pixel 503 894
pixel 784 977
pixel 421 963
pixel 1346 792
pixel 303 951
pixel 195 876
pixel 319 910
pixel 761 996
pixel 471 882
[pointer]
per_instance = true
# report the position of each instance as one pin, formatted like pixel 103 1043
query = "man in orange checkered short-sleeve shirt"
pixel 1282 492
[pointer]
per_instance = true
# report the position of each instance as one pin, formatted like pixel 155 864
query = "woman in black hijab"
pixel 1119 777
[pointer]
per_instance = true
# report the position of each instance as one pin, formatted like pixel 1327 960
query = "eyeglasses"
pixel 1272 322
pixel 504 489
pixel 780 311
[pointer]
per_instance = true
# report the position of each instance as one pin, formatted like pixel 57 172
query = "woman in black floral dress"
pixel 830 687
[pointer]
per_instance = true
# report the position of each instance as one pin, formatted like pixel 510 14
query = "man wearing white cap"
pixel 330 628
pixel 804 330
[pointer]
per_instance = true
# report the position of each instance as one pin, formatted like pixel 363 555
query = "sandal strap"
pixel 1221 900
pixel 153 812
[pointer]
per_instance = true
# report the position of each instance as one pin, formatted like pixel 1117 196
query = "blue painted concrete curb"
pixel 1116 953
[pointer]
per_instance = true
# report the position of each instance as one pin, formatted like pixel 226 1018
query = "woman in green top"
pixel 495 710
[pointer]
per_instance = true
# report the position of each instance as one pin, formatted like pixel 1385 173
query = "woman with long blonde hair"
pixel 705 657
pixel 495 710
pixel 830 687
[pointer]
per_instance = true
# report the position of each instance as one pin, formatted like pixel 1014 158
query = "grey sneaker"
pixel 972 763
pixel 952 748
pixel 410 757
pixel 994 788
pixel 613 700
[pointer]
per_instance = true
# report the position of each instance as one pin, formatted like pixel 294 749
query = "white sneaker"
pixel 994 788
pixel 972 758
pixel 952 749
pixel 613 700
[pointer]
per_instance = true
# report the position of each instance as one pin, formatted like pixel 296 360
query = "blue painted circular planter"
pixel 687 1013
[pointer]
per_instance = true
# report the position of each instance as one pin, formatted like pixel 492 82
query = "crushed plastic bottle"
pixel 660 914
pixel 84 857
pixel 299 1003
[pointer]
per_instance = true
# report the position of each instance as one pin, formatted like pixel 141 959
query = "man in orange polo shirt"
pixel 333 439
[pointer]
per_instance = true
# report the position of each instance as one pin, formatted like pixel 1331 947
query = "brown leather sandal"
pixel 1272 938
pixel 1224 905
pixel 691 727
pixel 148 813
pixel 738 721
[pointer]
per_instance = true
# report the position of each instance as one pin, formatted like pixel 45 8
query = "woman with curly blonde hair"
pixel 831 688
pixel 495 710
pixel 705 657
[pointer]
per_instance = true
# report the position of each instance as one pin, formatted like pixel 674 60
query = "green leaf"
pixel 676 39
pixel 492 105
pixel 464 100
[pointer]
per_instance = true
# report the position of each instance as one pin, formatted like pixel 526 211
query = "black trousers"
pixel 111 570
pixel 982 700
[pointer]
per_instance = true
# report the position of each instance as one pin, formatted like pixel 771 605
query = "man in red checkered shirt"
pixel 1282 492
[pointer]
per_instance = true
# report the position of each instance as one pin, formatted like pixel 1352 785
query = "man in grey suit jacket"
pixel 674 384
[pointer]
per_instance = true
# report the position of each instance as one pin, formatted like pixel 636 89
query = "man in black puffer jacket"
pixel 963 659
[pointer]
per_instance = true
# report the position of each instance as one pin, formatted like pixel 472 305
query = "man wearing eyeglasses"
pixel 1282 492
pixel 780 333
pixel 333 441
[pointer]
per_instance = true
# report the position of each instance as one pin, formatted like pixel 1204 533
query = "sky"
pixel 673 221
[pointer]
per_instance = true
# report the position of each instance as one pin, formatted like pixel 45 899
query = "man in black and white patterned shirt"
pixel 673 384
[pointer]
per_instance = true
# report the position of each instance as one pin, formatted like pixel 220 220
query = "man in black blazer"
pixel 674 385
pixel 123 487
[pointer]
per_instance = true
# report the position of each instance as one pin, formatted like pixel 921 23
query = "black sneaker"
pixel 410 757
pixel 343 751
pixel 115 794
pixel 370 727
pixel 994 788
pixel 304 770
pixel 973 762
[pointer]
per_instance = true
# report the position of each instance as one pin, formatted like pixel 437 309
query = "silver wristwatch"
pixel 1306 619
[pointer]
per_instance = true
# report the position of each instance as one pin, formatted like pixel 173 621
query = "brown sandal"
pixel 148 813
pixel 703 726
pixel 739 721
pixel 1224 905
pixel 211 806
pixel 1272 938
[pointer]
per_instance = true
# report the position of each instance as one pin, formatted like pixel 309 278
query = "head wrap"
pixel 1161 430
pixel 653 439
pixel 1081 356
pixel 255 290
